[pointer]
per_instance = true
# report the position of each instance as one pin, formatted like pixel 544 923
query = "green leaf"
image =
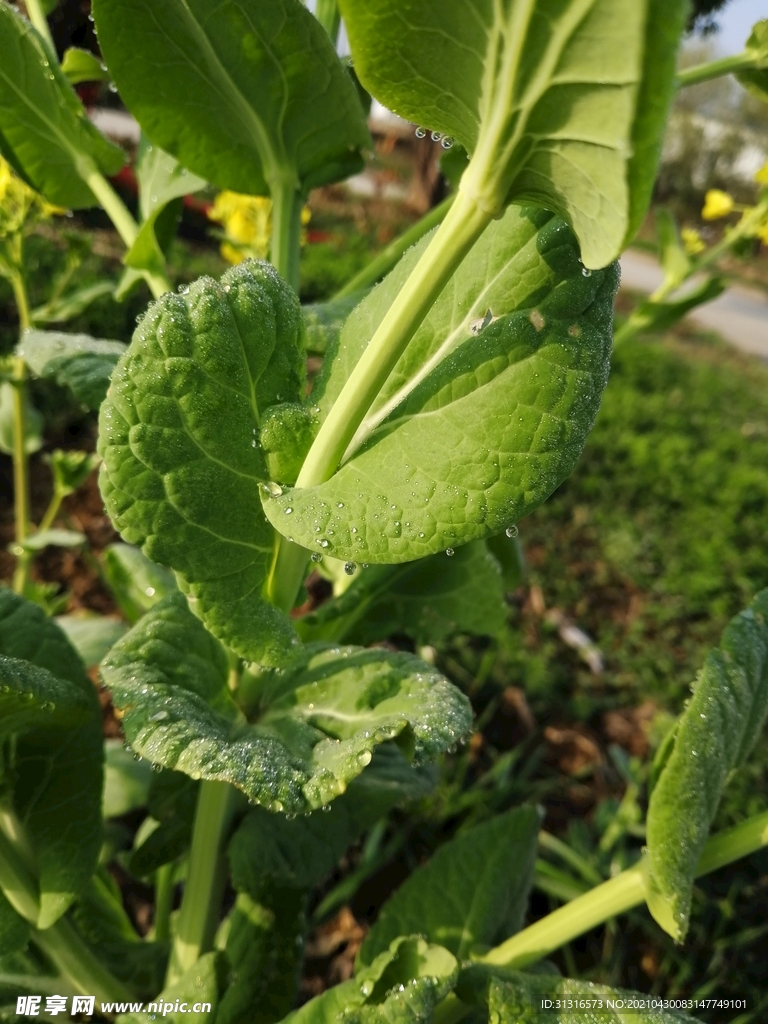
pixel 264 948
pixel 126 780
pixel 323 321
pixel 561 103
pixel 61 308
pixel 755 79
pixel 14 930
pixel 674 260
pixel 198 985
pixel 53 537
pixel 660 316
pixel 179 438
pixel 715 734
pixel 58 775
pixel 161 181
pixel 76 361
pixel 248 96
pixel 44 130
pixel 508 552
pixel 33 698
pixel 426 600
pixel 300 853
pixel 316 721
pixel 172 802
pixel 516 998
pixel 470 894
pixel 33 422
pixel 101 920
pixel 70 469
pixel 83 66
pixel 91 635
pixel 403 985
pixel 482 416
pixel 137 583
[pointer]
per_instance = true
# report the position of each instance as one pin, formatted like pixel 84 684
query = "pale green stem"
pixel 206 875
pixel 121 217
pixel 602 903
pixel 20 457
pixel 61 942
pixel 52 511
pixel 327 13
pixel 715 69
pixel 285 244
pixel 461 228
pixel 388 257
pixel 39 20
pixel 163 901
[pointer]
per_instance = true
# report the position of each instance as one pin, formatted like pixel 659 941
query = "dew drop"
pixel 421 133
pixel 436 136
pixel 447 142
pixel 315 557
pixel 585 272
pixel 150 591
pixel 449 552
pixel 288 511
pixel 511 531
pixel 349 568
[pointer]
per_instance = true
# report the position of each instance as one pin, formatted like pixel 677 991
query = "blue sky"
pixel 736 21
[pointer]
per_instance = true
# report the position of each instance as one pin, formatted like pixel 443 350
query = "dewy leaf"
pixel 471 893
pixel 179 436
pixel 33 698
pixel 44 130
pixel 77 361
pixel 298 853
pixel 516 998
pixel 403 985
pixel 561 103
pixel 198 985
pixel 137 583
pixel 318 720
pixel 323 321
pixel 58 775
pixel 427 600
pixel 715 734
pixel 482 417
pixel 247 95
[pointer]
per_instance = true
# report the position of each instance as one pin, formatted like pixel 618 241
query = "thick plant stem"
pixel 288 571
pixel 285 244
pixel 121 217
pixel 715 69
pixel 20 458
pixel 388 257
pixel 457 234
pixel 206 876
pixel 61 943
pixel 39 20
pixel 602 903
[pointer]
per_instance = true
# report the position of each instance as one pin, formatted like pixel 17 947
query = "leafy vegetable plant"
pixel 461 376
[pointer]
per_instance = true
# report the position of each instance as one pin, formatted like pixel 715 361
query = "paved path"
pixel 740 315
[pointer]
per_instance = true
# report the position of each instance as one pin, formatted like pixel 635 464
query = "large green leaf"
pixel 249 94
pixel 516 998
pixel 315 722
pixel 715 734
pixel 58 774
pixel 402 985
pixel 179 435
pixel 477 424
pixel 427 600
pixel 33 698
pixel 44 130
pixel 561 103
pixel 471 893
pixel 299 853
pixel 77 361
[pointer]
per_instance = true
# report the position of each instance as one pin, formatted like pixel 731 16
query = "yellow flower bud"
pixel 716 204
pixel 692 241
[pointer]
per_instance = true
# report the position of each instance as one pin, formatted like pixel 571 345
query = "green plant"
pixel 454 397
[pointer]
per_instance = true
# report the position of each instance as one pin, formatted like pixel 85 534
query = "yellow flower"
pixel 762 233
pixel 247 223
pixel 18 202
pixel 692 241
pixel 716 204
pixel 762 175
